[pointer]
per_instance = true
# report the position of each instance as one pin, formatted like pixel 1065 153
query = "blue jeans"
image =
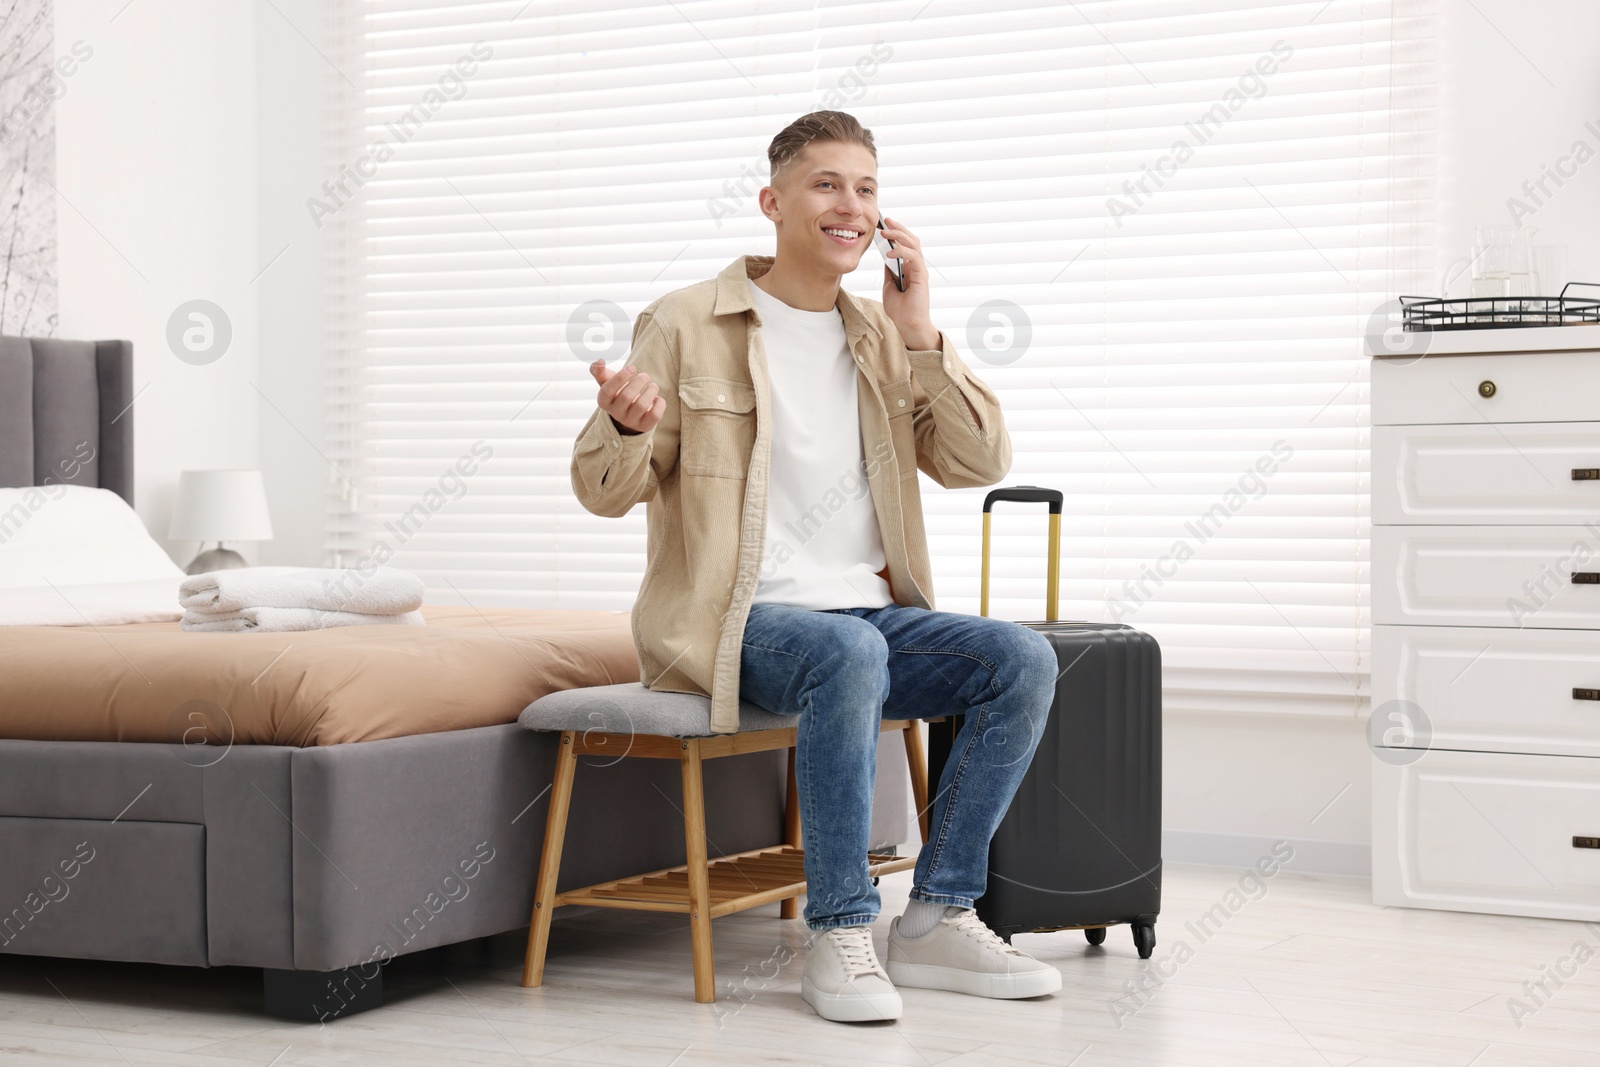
pixel 843 671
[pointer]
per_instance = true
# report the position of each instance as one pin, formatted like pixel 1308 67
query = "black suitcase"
pixel 1080 846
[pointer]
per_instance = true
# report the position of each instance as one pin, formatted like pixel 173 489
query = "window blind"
pixel 1157 229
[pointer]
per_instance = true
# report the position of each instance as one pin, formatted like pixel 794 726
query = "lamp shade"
pixel 221 506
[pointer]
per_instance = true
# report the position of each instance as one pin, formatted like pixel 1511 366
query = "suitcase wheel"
pixel 1144 939
pixel 1095 935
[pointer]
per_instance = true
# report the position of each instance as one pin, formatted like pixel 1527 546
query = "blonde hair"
pixel 817 126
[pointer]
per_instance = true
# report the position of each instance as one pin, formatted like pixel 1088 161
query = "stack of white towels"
pixel 283 599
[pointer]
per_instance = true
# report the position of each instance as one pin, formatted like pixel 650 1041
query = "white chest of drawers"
pixel 1486 623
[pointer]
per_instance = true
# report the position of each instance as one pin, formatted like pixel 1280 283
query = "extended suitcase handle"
pixel 1027 494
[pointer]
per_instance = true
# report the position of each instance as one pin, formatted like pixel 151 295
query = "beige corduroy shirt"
pixel 704 468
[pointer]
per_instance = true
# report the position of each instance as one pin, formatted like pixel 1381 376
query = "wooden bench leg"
pixel 555 830
pixel 789 907
pixel 694 840
pixel 917 759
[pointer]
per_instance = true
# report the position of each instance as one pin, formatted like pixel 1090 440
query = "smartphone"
pixel 884 246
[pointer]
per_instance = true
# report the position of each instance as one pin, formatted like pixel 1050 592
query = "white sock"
pixel 921 917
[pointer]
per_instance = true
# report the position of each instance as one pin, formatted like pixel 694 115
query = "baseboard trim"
pixel 1311 856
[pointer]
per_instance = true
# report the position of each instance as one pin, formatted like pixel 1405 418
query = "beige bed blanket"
pixel 142 681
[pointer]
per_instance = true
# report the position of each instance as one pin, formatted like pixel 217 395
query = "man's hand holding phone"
pixel 907 307
pixel 629 396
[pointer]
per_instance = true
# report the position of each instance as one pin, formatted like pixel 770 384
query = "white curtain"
pixel 1157 229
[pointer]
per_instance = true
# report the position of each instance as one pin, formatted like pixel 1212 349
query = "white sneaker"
pixel 843 979
pixel 963 955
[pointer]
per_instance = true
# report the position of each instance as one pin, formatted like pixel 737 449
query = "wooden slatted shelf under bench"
pixel 742 880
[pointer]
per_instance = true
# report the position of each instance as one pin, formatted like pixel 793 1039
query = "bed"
pixel 183 798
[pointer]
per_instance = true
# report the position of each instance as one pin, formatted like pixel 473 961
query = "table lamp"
pixel 228 505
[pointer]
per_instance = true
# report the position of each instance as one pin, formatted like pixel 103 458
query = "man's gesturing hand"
pixel 629 397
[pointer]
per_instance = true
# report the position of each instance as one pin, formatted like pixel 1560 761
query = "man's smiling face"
pixel 828 197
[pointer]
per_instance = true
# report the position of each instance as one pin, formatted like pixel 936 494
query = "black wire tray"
pixel 1492 312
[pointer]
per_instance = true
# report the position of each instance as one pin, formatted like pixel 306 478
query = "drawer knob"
pixel 1486 389
pixel 1586 842
pixel 1586 577
pixel 1586 694
pixel 1586 474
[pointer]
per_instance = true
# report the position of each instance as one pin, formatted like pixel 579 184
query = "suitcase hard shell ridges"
pixel 1093 791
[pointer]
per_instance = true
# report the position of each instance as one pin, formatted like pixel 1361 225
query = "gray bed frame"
pixel 315 864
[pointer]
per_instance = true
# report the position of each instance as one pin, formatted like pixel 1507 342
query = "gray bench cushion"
pixel 631 708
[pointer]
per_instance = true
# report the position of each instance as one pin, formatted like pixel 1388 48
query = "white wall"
pixel 156 171
pixel 291 112
pixel 1520 82
pixel 1234 784
pixel 192 137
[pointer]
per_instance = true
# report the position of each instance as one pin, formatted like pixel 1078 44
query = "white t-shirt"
pixel 823 546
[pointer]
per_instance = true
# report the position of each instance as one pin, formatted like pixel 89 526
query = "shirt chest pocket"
pixel 718 426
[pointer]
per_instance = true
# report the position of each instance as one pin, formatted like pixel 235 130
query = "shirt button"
pixel 947 364
pixel 902 403
pixel 722 398
pixel 861 359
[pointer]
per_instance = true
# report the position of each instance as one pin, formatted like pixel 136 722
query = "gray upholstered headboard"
pixel 65 413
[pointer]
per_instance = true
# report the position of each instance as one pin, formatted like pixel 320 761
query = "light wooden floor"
pixel 1309 974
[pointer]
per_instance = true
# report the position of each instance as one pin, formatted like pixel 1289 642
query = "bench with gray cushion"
pixel 631 708
pixel 630 720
